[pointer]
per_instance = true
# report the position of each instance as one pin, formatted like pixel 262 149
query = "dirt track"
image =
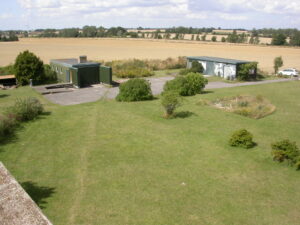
pixel 108 49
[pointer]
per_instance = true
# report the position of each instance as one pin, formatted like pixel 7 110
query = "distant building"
pixel 16 206
pixel 81 73
pixel 225 68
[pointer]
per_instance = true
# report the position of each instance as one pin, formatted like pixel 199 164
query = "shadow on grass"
pixel 39 194
pixel 206 92
pixel 183 114
pixel 3 95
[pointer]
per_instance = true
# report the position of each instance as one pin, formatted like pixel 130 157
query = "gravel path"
pixel 91 94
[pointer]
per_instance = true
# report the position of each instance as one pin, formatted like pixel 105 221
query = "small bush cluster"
pixel 196 68
pixel 23 110
pixel 135 90
pixel 136 68
pixel 170 100
pixel 242 138
pixel 247 71
pixel 191 84
pixel 285 150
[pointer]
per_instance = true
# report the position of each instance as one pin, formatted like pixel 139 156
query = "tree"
pixel 29 66
pixel 278 39
pixel 223 39
pixel 203 37
pixel 295 39
pixel 278 62
pixel 214 38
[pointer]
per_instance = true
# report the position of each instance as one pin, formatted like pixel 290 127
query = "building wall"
pixel 62 72
pixel 88 76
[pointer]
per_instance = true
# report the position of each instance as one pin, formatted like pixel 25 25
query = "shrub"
pixel 50 75
pixel 196 67
pixel 285 150
pixel 135 90
pixel 196 83
pixel 191 84
pixel 247 71
pixel 7 126
pixel 28 66
pixel 134 73
pixel 242 138
pixel 214 38
pixel 179 85
pixel 25 109
pixel 170 100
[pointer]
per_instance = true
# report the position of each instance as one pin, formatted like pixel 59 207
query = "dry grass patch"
pixel 255 107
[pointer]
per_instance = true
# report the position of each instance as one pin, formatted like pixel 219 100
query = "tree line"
pixel 8 36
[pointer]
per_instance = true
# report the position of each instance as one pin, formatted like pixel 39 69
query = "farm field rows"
pixel 109 49
pixel 108 162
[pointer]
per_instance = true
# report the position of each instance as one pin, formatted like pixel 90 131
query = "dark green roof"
pixel 219 60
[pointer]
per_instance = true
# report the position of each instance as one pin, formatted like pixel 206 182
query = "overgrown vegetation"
pixel 7 70
pixel 241 138
pixel 244 105
pixel 285 150
pixel 8 36
pixel 24 109
pixel 135 68
pixel 247 71
pixel 195 68
pixel 191 84
pixel 135 90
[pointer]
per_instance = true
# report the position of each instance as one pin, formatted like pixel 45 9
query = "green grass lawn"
pixel 121 163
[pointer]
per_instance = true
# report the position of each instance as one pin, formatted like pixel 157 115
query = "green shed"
pixel 80 73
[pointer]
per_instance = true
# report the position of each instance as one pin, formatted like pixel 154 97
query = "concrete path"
pixel 91 94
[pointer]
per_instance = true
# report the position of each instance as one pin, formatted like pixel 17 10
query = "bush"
pixel 25 109
pixel 134 73
pixel 196 68
pixel 50 75
pixel 29 66
pixel 191 84
pixel 135 90
pixel 285 150
pixel 247 71
pixel 278 62
pixel 196 83
pixel 170 100
pixel 7 126
pixel 242 138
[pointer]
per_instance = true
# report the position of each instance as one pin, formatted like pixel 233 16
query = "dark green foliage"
pixel 25 109
pixel 29 66
pixel 214 38
pixel 135 90
pixel 50 75
pixel 278 62
pixel 223 39
pixel 236 38
pixel 247 71
pixel 241 138
pixel 8 36
pixel 196 68
pixel 191 84
pixel 285 150
pixel 295 39
pixel 278 39
pixel 170 100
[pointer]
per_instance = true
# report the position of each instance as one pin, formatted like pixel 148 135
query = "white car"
pixel 289 72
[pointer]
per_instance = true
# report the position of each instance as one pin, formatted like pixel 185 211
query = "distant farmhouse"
pixel 81 73
pixel 225 68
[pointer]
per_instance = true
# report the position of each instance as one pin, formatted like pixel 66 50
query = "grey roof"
pixel 219 60
pixel 73 62
pixel 16 207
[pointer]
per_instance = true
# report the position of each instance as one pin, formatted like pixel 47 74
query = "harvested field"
pixel 109 49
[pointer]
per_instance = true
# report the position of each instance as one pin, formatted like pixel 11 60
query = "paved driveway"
pixel 71 96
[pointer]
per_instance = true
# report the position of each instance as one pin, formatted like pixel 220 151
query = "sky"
pixel 248 14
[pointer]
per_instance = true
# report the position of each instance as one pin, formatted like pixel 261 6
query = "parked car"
pixel 288 72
